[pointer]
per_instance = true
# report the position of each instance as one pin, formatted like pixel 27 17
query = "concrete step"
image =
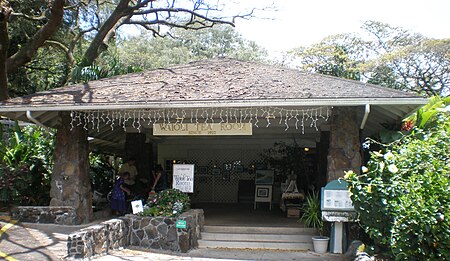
pixel 300 238
pixel 261 230
pixel 283 238
pixel 255 245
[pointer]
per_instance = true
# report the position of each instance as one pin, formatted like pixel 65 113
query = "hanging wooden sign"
pixel 201 129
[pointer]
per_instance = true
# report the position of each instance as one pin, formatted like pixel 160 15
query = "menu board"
pixel 183 177
pixel 337 200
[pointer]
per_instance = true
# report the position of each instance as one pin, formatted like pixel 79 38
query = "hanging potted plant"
pixel 312 218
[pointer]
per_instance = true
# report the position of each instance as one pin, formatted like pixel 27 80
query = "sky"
pixel 304 22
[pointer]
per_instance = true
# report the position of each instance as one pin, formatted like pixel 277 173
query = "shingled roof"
pixel 216 83
pixel 213 80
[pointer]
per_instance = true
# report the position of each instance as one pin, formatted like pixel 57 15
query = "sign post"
pixel 337 207
pixel 183 177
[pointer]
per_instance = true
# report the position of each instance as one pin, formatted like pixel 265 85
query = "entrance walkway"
pixel 245 215
pixel 218 254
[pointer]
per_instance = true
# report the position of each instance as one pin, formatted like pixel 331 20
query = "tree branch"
pixel 181 10
pixel 29 50
pixel 95 47
pixel 67 51
pixel 190 26
pixel 31 18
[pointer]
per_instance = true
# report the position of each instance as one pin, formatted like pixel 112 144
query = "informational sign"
pixel 337 200
pixel 201 129
pixel 137 207
pixel 183 177
pixel 180 224
pixel 336 197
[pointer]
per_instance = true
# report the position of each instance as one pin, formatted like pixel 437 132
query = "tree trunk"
pixel 4 41
pixel 113 21
pixel 5 12
pixel 29 50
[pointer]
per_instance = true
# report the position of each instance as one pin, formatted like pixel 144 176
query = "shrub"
pixel 26 163
pixel 312 214
pixel 403 195
pixel 101 172
pixel 167 203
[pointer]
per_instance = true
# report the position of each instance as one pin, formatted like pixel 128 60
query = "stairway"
pixel 283 238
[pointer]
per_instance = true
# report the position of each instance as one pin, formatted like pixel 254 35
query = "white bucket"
pixel 320 244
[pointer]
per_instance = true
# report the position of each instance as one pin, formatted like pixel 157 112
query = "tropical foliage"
pixel 312 215
pixel 102 172
pixel 167 203
pixel 403 196
pixel 26 164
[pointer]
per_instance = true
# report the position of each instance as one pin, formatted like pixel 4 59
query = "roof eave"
pixel 312 102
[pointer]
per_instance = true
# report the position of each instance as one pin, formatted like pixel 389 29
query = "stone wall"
pixel 344 151
pixel 98 239
pixel 61 215
pixel 146 232
pixel 161 232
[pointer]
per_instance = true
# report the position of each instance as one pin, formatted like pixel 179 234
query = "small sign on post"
pixel 180 224
pixel 137 207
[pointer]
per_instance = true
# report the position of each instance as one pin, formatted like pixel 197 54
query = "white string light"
pixel 135 118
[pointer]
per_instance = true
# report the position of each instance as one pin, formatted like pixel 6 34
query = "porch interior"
pixel 244 214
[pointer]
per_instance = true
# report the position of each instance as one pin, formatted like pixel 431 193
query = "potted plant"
pixel 312 218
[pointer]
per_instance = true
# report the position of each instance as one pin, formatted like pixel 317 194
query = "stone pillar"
pixel 70 184
pixel 344 149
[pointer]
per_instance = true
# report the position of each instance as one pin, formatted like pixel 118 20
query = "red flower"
pixel 407 125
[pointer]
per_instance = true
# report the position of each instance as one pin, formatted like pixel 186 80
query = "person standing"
pixel 159 179
pixel 130 167
pixel 118 197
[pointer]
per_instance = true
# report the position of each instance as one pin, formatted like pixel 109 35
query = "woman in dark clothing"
pixel 159 179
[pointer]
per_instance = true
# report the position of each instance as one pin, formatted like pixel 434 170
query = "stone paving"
pixel 217 254
pixel 17 243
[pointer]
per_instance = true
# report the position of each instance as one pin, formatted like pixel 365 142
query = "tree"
pixel 147 52
pixel 91 25
pixel 419 64
pixel 336 55
pixel 388 56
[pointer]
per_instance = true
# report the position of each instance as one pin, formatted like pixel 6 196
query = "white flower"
pixel 392 168
pixel 364 169
pixel 389 156
pixel 382 166
pixel 366 145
